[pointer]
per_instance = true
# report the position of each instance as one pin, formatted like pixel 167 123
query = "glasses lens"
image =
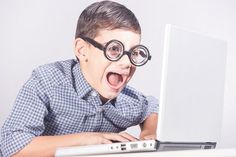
pixel 139 55
pixel 114 50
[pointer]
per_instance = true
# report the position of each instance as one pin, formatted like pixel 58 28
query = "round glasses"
pixel 114 50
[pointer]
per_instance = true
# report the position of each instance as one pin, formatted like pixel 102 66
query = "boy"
pixel 84 101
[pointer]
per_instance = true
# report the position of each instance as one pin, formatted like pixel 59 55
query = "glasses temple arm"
pixel 93 42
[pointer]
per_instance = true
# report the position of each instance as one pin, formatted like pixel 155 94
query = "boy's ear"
pixel 80 49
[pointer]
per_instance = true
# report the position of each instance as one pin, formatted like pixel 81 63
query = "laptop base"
pixel 128 147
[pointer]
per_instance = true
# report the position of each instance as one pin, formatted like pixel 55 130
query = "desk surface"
pixel 186 153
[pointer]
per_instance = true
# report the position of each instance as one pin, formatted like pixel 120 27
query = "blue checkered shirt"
pixel 57 100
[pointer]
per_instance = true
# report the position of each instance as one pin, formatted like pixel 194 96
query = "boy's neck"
pixel 105 101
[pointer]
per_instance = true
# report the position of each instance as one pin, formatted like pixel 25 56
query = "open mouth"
pixel 115 80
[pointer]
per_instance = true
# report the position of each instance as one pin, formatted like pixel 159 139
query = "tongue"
pixel 114 79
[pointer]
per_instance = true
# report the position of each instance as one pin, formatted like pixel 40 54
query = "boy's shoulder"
pixel 55 72
pixel 131 94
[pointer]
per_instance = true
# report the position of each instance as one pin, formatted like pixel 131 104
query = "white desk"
pixel 187 153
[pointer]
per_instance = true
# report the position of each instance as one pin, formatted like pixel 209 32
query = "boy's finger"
pixel 128 136
pixel 106 141
pixel 149 137
pixel 115 137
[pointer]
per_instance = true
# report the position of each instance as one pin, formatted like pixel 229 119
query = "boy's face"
pixel 106 77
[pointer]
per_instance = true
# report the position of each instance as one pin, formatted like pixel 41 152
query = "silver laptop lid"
pixel 192 87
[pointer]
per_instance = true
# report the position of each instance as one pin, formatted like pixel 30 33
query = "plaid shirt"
pixel 57 100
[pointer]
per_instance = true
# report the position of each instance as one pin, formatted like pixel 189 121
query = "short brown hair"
pixel 106 15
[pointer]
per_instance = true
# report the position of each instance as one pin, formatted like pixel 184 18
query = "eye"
pixel 114 50
pixel 139 55
pixel 135 54
pixel 143 54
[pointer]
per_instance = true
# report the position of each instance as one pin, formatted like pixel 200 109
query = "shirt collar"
pixel 82 87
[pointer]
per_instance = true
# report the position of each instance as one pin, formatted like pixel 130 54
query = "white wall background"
pixel 38 32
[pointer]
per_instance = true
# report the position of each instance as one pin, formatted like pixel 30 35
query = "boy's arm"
pixel 149 127
pixel 45 146
pixel 150 118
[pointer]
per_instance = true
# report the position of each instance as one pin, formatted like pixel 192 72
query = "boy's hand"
pixel 147 136
pixel 148 127
pixel 89 138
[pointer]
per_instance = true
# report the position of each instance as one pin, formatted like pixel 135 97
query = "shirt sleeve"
pixel 150 105
pixel 26 120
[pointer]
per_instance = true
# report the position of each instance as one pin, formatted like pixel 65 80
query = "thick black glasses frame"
pixel 103 48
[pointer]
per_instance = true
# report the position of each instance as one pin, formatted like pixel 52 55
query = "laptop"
pixel 191 99
pixel 128 147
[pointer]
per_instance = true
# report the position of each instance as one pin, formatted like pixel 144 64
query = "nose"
pixel 124 62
